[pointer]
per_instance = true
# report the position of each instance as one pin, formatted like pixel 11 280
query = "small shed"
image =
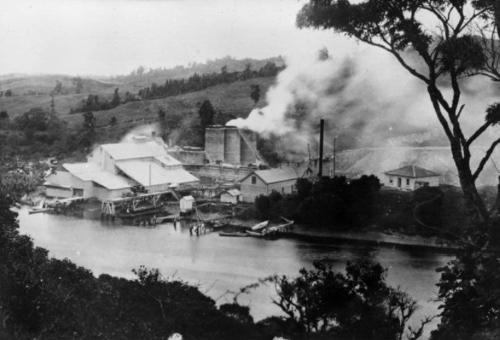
pixel 230 196
pixel 186 204
pixel 411 177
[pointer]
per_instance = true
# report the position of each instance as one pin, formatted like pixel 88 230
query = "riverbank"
pixel 376 238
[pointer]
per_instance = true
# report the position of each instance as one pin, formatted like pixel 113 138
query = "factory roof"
pixel 92 172
pixel 412 171
pixel 275 175
pixel 149 173
pixel 233 192
pixel 168 160
pixel 146 149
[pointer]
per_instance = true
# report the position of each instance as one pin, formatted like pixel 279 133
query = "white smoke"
pixel 146 130
pixel 366 97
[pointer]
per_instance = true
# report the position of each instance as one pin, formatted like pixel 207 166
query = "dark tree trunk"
pixel 474 202
pixel 497 203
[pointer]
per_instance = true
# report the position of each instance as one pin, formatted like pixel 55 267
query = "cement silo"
pixel 248 147
pixel 214 143
pixel 232 145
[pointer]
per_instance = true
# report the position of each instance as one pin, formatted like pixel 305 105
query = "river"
pixel 222 264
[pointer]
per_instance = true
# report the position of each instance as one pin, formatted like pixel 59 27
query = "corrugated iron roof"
pixel 412 171
pixel 119 151
pixel 277 175
pixel 140 171
pixel 234 192
pixel 168 160
pixel 81 168
pixel 92 172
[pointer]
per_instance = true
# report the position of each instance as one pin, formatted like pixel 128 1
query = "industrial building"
pixel 228 144
pixel 114 170
pixel 263 182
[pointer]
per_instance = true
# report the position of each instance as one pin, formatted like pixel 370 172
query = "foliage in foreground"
pixel 46 298
pixel 355 305
pixel 469 290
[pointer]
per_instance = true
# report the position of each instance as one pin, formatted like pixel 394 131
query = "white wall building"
pixel 411 177
pixel 113 169
pixel 263 182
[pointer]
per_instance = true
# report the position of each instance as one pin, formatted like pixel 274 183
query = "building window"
pixel 254 180
pixel 391 181
pixel 407 181
pixel 282 190
pixel 78 192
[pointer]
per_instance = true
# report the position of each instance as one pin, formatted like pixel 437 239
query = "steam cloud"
pixel 366 98
pixel 142 130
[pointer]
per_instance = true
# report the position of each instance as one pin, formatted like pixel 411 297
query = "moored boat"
pixel 233 234
pixel 260 226
pixel 255 234
pixel 40 210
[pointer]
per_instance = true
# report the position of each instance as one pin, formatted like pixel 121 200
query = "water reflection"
pixel 221 264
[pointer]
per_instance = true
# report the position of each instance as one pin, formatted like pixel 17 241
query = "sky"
pixel 113 37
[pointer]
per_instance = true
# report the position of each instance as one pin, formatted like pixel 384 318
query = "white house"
pixel 263 182
pixel 230 196
pixel 411 177
pixel 113 170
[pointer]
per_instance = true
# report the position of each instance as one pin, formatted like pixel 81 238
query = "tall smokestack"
pixel 321 133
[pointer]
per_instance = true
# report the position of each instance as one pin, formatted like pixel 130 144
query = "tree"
pixel 140 70
pixel 449 55
pixel 206 113
pixel 263 206
pixel 52 104
pixel 58 88
pixel 224 74
pixel 470 296
pixel 255 93
pixel 161 114
pixel 8 93
pixel 4 116
pixel 247 72
pixel 116 99
pixel 89 120
pixel 364 306
pixel 113 121
pixel 78 83
pixel 304 187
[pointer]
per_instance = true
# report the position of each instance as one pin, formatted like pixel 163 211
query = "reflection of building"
pixel 411 177
pixel 113 170
pixel 263 182
pixel 228 144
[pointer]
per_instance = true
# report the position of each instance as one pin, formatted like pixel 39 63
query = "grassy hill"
pixel 31 91
pixel 228 99
pixel 44 84
pixel 133 81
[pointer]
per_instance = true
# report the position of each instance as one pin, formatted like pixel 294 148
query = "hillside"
pixel 133 81
pixel 228 99
pixel 31 91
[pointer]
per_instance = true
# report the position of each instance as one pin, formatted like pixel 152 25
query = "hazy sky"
pixel 111 37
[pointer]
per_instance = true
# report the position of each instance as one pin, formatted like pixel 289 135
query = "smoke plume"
pixel 142 130
pixel 366 98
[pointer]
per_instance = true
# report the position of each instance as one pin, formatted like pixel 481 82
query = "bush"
pixel 364 307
